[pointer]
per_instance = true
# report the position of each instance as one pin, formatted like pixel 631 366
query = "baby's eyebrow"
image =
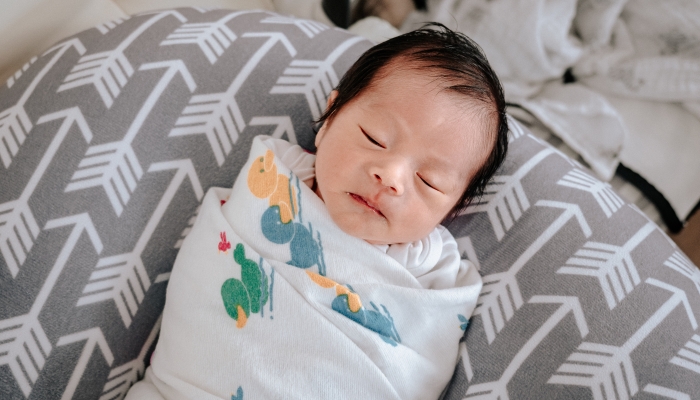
pixel 445 174
pixel 438 163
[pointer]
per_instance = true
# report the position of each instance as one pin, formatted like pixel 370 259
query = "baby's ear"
pixel 331 98
pixel 322 131
pixel 319 135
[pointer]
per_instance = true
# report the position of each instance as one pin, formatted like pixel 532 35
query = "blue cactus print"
pixel 306 252
pixel 281 222
pixel 238 395
pixel 464 321
pixel 348 303
pixel 374 320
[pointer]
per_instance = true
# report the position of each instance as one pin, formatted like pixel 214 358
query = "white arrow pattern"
pixel 18 227
pixel 93 338
pixel 515 130
pixel 499 389
pixel 122 377
pixel 641 213
pixel 504 199
pixel 608 370
pixel 114 166
pixel 123 278
pixel 500 296
pixel 11 80
pixel 109 71
pixel 611 265
pixel 313 78
pixel 203 10
pixel 217 115
pixel 24 345
pixel 283 126
pixel 602 192
pixel 309 27
pixel 105 27
pixel 24 349
pixel 14 121
pixel 466 361
pixel 680 263
pixel 188 228
pixel 213 38
pixel 666 392
pixel 689 356
pixel 569 158
pixel 467 251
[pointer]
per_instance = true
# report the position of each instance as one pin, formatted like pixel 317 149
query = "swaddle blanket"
pixel 269 299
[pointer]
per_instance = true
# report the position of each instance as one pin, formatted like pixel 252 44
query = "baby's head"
pixel 412 134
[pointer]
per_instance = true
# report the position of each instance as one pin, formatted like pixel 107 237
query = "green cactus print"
pixel 248 295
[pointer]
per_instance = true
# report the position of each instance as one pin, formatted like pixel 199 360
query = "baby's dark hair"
pixel 455 59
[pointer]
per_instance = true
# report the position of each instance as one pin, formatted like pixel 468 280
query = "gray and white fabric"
pixel 109 140
pixel 583 296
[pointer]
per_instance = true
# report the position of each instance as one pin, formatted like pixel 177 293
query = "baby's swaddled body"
pixel 268 298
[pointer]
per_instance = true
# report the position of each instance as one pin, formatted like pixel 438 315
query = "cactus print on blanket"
pixel 281 222
pixel 349 304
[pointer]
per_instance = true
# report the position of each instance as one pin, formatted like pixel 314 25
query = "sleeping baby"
pixel 329 275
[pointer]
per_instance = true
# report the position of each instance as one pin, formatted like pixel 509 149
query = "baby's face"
pixel 396 159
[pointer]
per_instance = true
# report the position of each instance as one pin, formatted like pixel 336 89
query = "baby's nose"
pixel 392 178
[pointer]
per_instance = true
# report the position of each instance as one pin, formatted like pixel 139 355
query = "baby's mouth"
pixel 366 203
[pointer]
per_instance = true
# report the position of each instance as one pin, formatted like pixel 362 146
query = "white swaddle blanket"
pixel 268 299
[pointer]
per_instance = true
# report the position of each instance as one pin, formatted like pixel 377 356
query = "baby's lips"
pixel 369 203
pixel 373 205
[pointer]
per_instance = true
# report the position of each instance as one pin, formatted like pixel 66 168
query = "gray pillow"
pixel 107 143
pixel 109 140
pixel 583 296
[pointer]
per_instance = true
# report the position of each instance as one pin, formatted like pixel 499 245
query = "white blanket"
pixel 269 299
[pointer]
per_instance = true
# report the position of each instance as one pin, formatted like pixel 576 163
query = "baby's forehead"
pixel 466 115
pixel 428 84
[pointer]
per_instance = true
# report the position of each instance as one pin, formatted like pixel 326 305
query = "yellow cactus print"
pixel 265 182
pixel 354 302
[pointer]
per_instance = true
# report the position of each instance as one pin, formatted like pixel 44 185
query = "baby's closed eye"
pixel 371 139
pixel 427 183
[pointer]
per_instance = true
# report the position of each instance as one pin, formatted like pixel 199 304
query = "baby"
pixel 411 135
